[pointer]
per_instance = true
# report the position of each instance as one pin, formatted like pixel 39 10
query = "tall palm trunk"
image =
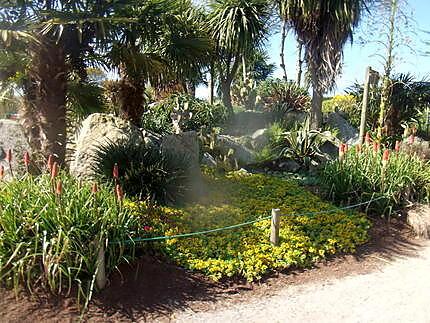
pixel 283 37
pixel 316 104
pixel 299 62
pixel 46 99
pixel 131 98
pixel 225 83
pixel 211 83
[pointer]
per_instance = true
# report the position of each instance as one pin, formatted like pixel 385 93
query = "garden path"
pixel 398 291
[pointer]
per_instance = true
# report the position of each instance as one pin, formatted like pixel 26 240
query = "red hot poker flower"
pixel 147 228
pixel 26 159
pixel 115 171
pixel 59 188
pixel 385 157
pixel 50 162
pixel 9 156
pixel 119 192
pixel 94 188
pixel 375 147
pixel 1 171
pixel 397 146
pixel 367 138
pixel 54 170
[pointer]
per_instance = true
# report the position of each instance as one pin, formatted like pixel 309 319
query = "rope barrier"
pixel 230 227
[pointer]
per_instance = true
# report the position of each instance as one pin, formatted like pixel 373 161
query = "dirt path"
pixel 398 291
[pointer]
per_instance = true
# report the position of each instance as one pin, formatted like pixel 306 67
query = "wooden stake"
pixel 101 269
pixel 274 227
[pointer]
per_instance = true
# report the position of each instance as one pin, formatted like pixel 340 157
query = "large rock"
pixel 12 136
pixel 229 145
pixel 347 133
pixel 184 144
pixel 97 130
pixel 246 122
pixel 260 138
pixel 418 218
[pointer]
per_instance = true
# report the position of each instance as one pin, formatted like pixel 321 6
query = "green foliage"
pixel 246 252
pixel 144 170
pixel 302 144
pixel 361 176
pixel 346 103
pixel 274 134
pixel 200 114
pixel 281 97
pixel 53 239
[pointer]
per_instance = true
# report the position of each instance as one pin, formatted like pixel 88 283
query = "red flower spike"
pixel 26 159
pixel 94 188
pixel 367 138
pixel 50 162
pixel 9 156
pixel 385 157
pixel 397 146
pixel 1 171
pixel 119 192
pixel 115 171
pixel 358 148
pixel 375 147
pixel 411 139
pixel 341 151
pixel 59 188
pixel 54 170
pixel 147 228
pixel 345 148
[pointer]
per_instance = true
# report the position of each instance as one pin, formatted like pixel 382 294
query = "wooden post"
pixel 364 104
pixel 274 227
pixel 101 269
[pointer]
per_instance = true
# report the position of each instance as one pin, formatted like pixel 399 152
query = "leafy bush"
pixel 200 114
pixel 281 97
pixel 144 170
pixel 362 175
pixel 51 235
pixel 346 103
pixel 302 144
pixel 246 251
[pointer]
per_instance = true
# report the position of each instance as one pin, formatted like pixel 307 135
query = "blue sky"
pixel 357 56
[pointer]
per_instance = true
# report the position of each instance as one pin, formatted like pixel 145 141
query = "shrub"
pixel 199 114
pixel 50 235
pixel 144 170
pixel 346 103
pixel 362 174
pixel 246 251
pixel 281 97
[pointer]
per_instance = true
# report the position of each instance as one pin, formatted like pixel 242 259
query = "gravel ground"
pixel 398 292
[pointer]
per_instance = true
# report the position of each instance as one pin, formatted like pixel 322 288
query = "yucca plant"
pixel 144 171
pixel 370 172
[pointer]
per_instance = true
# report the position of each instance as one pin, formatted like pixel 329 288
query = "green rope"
pixel 185 235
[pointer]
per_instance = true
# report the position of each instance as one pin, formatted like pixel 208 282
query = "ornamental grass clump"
pixel 52 227
pixel 371 172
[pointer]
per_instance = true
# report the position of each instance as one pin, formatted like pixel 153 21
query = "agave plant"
pixel 302 144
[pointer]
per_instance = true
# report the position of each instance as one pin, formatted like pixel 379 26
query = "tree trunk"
pixel 299 62
pixel 131 99
pixel 244 69
pixel 211 84
pixel 30 115
pixel 225 88
pixel 283 37
pixel 49 70
pixel 316 105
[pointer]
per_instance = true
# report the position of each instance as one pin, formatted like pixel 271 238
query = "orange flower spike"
pixel 119 192
pixel 1 172
pixel 50 162
pixel 397 146
pixel 341 151
pixel 358 149
pixel 367 139
pixel 26 159
pixel 385 157
pixel 54 170
pixel 115 171
pixel 59 188
pixel 9 156
pixel 94 188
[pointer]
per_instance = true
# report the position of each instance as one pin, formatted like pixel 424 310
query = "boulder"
pixel 260 138
pixel 347 133
pixel 247 122
pixel 418 217
pixel 96 130
pixel 183 144
pixel 289 166
pixel 229 145
pixel 12 136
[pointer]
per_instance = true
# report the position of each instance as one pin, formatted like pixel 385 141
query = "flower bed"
pixel 246 251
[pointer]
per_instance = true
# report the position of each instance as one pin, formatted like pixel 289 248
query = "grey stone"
pixel 289 166
pixel 260 138
pixel 183 144
pixel 230 145
pixel 347 133
pixel 418 217
pixel 246 122
pixel 96 130
pixel 12 136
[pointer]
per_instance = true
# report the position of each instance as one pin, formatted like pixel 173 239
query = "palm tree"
pixel 237 26
pixel 323 26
